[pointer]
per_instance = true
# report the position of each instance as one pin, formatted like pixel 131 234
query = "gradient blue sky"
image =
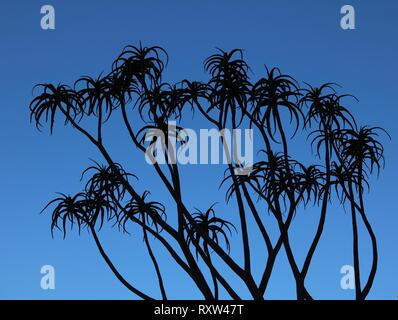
pixel 303 38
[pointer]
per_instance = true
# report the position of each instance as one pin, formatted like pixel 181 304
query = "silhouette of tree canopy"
pixel 345 156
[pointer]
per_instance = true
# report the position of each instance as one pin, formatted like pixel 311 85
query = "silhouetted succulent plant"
pixel 280 183
pixel 59 98
pixel 151 211
pixel 206 225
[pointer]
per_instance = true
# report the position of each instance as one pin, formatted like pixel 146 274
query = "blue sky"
pixel 303 38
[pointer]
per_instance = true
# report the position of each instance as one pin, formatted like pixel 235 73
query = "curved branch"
pixel 114 270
